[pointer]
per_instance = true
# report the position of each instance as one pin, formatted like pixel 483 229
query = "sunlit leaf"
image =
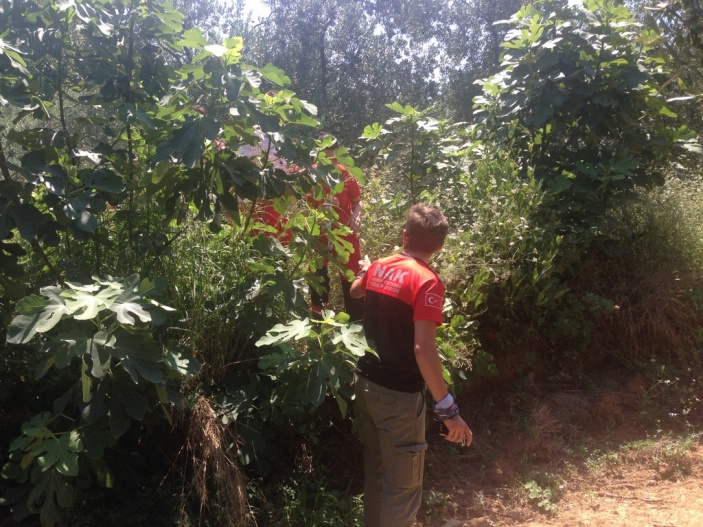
pixel 276 75
pixel 283 332
pixel 39 315
pixel 216 49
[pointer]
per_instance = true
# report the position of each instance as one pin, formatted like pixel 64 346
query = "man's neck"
pixel 418 255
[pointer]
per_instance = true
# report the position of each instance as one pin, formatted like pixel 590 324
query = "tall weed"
pixel 503 266
pixel 656 283
pixel 230 289
pixel 665 227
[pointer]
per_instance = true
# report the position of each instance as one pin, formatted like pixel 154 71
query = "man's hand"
pixel 458 431
pixel 355 223
pixel 365 263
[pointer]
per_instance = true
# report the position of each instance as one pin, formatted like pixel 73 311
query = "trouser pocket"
pixel 408 470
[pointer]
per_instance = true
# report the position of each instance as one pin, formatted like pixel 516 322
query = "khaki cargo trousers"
pixel 393 434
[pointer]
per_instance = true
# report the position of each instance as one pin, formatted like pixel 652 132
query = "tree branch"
pixel 3 164
pixel 40 251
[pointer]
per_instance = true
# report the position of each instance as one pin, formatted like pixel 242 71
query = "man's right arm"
pixel 357 288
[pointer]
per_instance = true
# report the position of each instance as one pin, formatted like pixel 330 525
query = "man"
pixel 347 205
pixel 264 154
pixel 403 307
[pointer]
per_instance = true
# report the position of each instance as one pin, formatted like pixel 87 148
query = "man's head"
pixel 329 150
pixel 425 229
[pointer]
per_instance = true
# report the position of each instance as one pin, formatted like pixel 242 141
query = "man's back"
pixel 399 290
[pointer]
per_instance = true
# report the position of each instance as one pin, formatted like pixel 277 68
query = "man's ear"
pixel 405 237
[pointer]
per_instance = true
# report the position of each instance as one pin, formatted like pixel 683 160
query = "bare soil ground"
pixel 612 457
pixel 640 498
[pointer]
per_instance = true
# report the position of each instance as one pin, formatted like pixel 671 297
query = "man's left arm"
pixel 428 359
pixel 431 369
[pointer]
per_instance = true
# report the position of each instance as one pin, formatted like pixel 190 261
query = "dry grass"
pixel 552 415
pixel 653 317
pixel 215 468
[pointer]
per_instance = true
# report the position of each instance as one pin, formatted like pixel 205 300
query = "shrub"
pixel 105 331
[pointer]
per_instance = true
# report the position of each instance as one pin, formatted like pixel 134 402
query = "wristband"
pixel 444 403
pixel 446 413
pixel 361 274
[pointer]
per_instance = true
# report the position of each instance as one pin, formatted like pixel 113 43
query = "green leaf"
pixel 275 75
pixel 27 219
pixel 86 382
pixel 127 393
pixel 105 180
pixel 372 131
pixel 97 438
pixel 216 49
pixel 131 302
pixel 353 339
pixel 77 210
pixel 83 305
pixel 178 362
pixel 193 38
pixel 39 315
pixel 101 351
pixel 668 113
pixel 23 328
pixel 21 442
pixel 275 361
pixel 138 367
pixel 49 489
pixel 559 184
pixel 341 403
pixel 58 452
pixel 119 420
pixel 142 357
pixel 403 110
pixel 540 115
pixel 188 142
pixel 66 346
pixel 16 94
pixel 126 304
pixel 280 333
pixel 316 385
pixel 37 426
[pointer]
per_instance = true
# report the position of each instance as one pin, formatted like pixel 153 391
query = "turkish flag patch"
pixel 433 300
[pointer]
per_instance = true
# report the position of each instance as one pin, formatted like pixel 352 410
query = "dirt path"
pixel 633 494
pixel 639 499
pixel 549 467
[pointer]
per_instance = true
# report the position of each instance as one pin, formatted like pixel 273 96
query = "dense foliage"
pixel 122 128
pixel 578 103
pixel 144 298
